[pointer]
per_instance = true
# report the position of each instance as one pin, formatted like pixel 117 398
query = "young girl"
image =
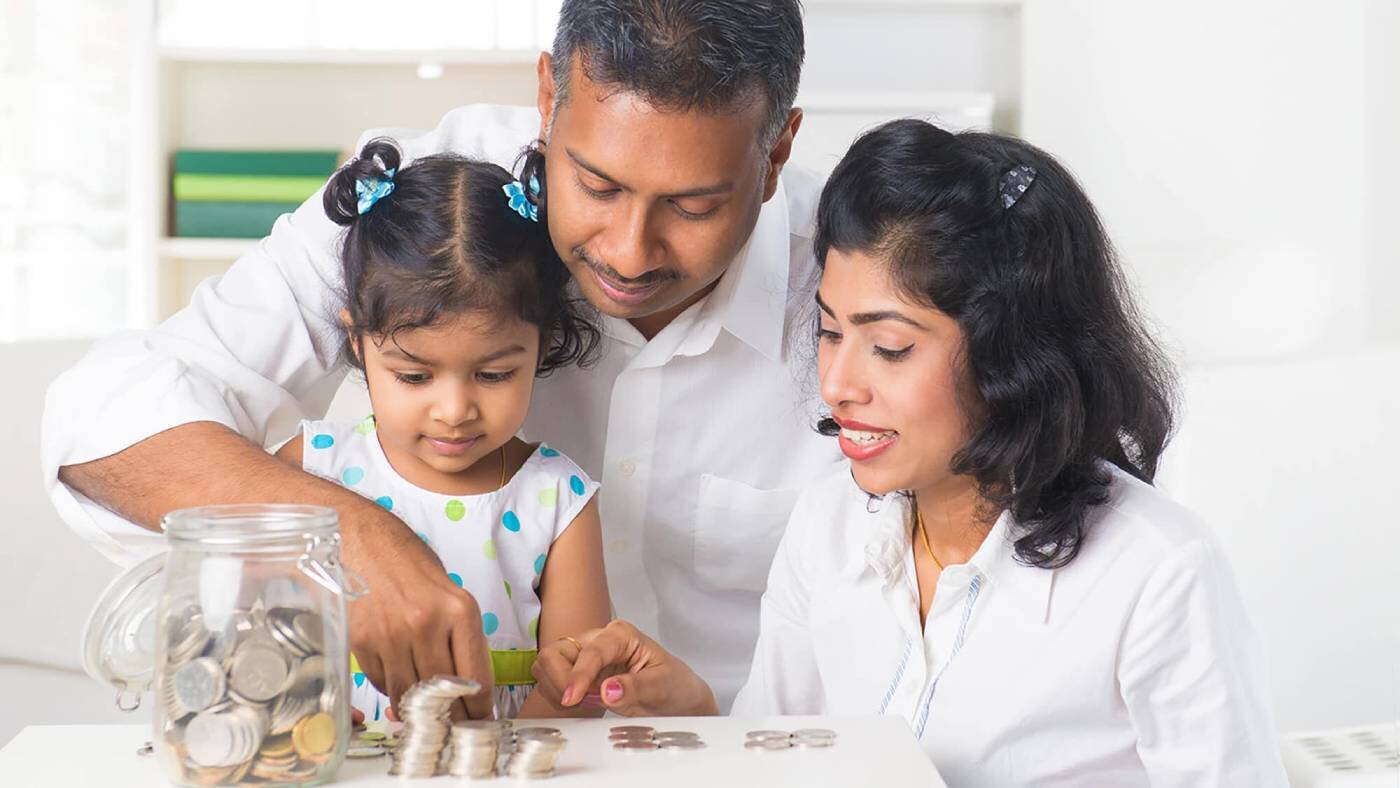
pixel 454 304
pixel 994 565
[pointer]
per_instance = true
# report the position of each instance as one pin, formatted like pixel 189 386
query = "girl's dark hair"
pixel 1065 373
pixel 445 241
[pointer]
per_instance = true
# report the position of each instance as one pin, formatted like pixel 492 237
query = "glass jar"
pixel 246 649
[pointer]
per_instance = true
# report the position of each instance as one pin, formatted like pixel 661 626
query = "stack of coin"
pixel 367 744
pixel 254 699
pixel 426 713
pixel 475 745
pixel 536 753
pixel 644 738
pixel 806 738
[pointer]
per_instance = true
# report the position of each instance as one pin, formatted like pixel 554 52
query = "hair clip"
pixel 371 190
pixel 515 194
pixel 1014 184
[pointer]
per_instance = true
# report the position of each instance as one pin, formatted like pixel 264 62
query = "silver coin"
pixel 538 730
pixel 767 745
pixel 767 735
pixel 814 733
pixel 632 729
pixel 636 745
pixel 676 735
pixel 616 737
pixel 260 671
pixel 813 742
pixel 358 751
pixel 310 631
pixel 683 744
pixel 198 684
pixel 212 739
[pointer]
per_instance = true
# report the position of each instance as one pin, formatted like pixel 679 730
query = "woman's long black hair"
pixel 1066 374
pixel 445 241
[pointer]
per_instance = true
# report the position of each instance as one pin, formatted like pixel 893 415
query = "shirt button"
pixel 617 546
pixel 627 468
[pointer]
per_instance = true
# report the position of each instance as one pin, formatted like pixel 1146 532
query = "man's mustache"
pixel 611 274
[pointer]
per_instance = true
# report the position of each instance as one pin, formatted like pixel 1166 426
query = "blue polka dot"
pixel 576 484
pixel 511 522
pixel 489 623
pixel 322 441
pixel 386 502
pixel 539 564
pixel 359 679
pixel 455 578
pixel 545 451
pixel 352 475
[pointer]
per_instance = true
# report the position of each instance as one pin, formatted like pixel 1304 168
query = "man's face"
pixel 648 207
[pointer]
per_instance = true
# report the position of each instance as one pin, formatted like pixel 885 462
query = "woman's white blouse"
pixel 1134 665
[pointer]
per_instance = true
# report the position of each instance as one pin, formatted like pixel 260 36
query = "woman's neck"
pixel 954 516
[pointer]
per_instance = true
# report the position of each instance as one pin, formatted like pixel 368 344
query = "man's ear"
pixel 544 98
pixel 781 152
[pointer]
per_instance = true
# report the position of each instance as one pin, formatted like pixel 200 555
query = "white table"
pixel 869 751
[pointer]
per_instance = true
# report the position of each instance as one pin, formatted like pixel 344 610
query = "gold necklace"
pixel 503 470
pixel 919 518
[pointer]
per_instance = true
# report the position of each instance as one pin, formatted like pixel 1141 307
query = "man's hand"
pixel 414 624
pixel 633 674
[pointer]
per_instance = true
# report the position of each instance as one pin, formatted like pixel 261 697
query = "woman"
pixel 995 566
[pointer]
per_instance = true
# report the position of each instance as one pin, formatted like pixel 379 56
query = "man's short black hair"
pixel 710 55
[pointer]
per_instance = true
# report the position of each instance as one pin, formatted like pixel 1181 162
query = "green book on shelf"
pixel 307 163
pixel 244 188
pixel 228 219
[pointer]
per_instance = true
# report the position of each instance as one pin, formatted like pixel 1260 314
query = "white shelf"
pixel 229 249
pixel 327 56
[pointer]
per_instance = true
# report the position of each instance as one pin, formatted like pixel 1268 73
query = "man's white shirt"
pixel 701 437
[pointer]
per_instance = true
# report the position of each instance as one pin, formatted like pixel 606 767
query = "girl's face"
pixel 447 396
pixel 890 373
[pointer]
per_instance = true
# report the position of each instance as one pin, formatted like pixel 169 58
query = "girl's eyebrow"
pixel 510 350
pixel 862 318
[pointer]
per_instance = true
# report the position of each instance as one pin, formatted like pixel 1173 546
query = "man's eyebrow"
pixel 723 187
pixel 864 318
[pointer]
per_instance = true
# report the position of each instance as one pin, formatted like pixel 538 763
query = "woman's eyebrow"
pixel 863 318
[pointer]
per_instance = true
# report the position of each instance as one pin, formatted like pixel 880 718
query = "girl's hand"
pixel 633 674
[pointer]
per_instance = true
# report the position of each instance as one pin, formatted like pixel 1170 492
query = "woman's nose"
pixel 842 378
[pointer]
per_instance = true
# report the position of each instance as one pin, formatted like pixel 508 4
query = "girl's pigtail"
pixel 362 181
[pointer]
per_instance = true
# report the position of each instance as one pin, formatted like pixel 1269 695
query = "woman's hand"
pixel 631 673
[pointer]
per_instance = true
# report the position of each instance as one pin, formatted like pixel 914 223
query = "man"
pixel 665 126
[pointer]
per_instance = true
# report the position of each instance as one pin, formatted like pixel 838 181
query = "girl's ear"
pixel 351 340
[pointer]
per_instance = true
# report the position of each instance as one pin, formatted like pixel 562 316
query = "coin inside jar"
pixel 259 671
pixel 314 736
pixel 198 684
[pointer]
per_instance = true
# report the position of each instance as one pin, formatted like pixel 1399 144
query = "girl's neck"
pixel 954 516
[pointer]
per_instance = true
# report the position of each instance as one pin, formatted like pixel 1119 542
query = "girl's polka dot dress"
pixel 494 545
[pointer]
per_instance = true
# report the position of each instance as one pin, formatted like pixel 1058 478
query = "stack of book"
pixel 239 194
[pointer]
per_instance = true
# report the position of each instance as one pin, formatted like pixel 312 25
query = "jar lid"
pixel 119 645
pixel 247 526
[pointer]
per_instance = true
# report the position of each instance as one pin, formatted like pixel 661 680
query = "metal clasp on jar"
pixel 321 562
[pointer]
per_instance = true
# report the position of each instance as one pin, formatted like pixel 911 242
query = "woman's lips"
pixel 630 296
pixel 862 442
pixel 451 447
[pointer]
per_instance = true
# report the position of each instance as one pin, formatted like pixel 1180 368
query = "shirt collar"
pixel 1026 588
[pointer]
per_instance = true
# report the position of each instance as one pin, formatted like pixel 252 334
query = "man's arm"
pixel 414 623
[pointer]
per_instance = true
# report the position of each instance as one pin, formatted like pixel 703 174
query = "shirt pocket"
pixel 737 530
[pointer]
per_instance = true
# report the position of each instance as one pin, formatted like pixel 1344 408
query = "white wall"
pixel 1223 142
pixel 1242 153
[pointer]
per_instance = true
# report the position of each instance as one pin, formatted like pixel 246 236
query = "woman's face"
pixel 890 373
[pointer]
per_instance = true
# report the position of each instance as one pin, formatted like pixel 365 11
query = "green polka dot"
pixel 535 628
pixel 549 497
pixel 456 510
pixel 367 426
pixel 507 582
pixel 489 549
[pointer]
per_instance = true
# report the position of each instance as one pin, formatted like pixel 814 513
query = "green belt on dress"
pixel 510 668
